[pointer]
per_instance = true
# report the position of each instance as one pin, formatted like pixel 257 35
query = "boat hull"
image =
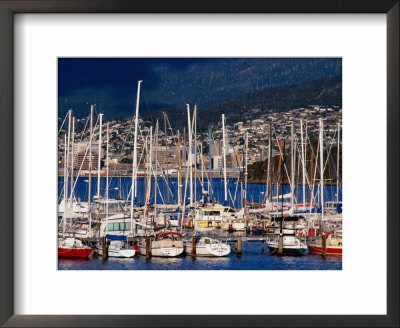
pixel 288 250
pixel 331 250
pixel 214 250
pixel 121 253
pixel 167 251
pixel 84 252
pixel 163 248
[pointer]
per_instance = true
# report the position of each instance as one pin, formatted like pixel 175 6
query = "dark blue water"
pixel 252 257
pixel 119 189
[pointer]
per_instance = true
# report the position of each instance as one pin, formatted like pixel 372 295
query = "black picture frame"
pixel 10 7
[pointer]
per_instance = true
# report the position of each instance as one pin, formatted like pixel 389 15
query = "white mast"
pixel 195 151
pixel 202 166
pixel 292 166
pixel 190 156
pixel 108 141
pixel 72 167
pixel 224 156
pixel 303 164
pixel 269 178
pixel 72 153
pixel 305 158
pixel 66 167
pixel 90 168
pixel 150 165
pixel 321 155
pixel 65 171
pixel 245 163
pixel 99 156
pixel 155 166
pixel 66 183
pixel 134 162
pixel 338 164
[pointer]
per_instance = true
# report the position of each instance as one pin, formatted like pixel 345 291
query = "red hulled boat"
pixel 73 248
pixel 333 244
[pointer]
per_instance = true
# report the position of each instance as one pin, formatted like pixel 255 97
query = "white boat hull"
pixel 217 250
pixel 115 250
pixel 164 248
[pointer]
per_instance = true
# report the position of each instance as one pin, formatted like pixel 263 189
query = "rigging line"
pixel 140 159
pixel 157 186
pixel 313 196
pixel 71 170
pixel 284 161
pixel 76 180
pixel 331 156
pixel 149 110
pixel 230 195
pixel 84 128
pixel 168 188
pixel 62 124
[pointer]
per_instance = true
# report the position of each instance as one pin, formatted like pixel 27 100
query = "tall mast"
pixel 65 172
pixel 149 159
pixel 72 153
pixel 99 156
pixel 338 164
pixel 66 182
pixel 224 157
pixel 210 161
pixel 279 168
pixel 305 157
pixel 245 163
pixel 134 162
pixel 145 158
pixel 107 163
pixel 166 153
pixel 303 164
pixel 90 169
pixel 195 151
pixel 292 166
pixel 155 166
pixel 283 179
pixel 72 165
pixel 190 156
pixel 321 155
pixel 269 178
pixel 202 166
pixel 150 164
pixel 179 171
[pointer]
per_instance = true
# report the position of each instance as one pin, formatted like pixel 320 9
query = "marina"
pixel 176 202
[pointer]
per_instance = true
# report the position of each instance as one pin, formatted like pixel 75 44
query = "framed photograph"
pixel 165 163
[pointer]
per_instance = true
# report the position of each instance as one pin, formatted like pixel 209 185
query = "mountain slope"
pixel 323 92
pixel 173 82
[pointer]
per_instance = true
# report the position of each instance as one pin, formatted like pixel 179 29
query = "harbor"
pixel 172 196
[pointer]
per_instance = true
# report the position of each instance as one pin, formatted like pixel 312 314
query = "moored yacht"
pixel 206 246
pixel 74 248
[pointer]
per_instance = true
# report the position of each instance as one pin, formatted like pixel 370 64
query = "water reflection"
pixel 251 259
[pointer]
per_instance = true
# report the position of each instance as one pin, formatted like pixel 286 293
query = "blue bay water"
pixel 119 189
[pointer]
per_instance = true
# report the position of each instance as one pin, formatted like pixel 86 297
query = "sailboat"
pixel 291 244
pixel 117 246
pixel 207 246
pixel 71 247
pixel 165 244
pixel 286 243
pixel 333 244
pixel 74 248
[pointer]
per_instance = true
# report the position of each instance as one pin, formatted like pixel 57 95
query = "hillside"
pixel 170 83
pixel 323 92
